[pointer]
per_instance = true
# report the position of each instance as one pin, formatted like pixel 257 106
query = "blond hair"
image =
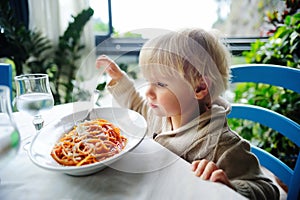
pixel 191 53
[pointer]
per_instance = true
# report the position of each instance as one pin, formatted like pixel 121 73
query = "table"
pixel 159 175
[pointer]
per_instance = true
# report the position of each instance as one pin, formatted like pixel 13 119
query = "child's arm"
pixel 239 167
pixel 208 170
pixel 121 87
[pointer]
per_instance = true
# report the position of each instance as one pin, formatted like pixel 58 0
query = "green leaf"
pixel 293 37
pixel 101 86
pixel 287 20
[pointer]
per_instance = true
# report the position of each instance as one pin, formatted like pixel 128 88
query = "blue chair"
pixel 6 75
pixel 285 77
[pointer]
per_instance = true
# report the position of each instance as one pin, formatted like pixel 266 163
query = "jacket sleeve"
pixel 243 169
pixel 126 95
pixel 232 154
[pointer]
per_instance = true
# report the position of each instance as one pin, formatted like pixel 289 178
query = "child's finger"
pixel 201 167
pixel 208 170
pixel 195 164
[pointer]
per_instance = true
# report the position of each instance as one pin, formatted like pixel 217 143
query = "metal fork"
pixel 87 117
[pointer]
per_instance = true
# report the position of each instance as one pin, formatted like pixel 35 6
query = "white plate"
pixel 133 126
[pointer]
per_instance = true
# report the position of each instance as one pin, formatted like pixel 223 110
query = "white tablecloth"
pixel 159 175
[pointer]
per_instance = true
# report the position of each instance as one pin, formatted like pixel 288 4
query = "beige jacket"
pixel 207 136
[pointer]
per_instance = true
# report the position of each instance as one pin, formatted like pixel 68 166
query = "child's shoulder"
pixel 231 137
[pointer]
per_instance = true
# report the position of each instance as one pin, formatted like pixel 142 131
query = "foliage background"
pixel 282 48
pixel 31 52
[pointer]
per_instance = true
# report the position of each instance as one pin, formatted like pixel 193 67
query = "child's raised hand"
pixel 208 170
pixel 111 67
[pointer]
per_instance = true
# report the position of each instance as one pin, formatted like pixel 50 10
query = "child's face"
pixel 170 96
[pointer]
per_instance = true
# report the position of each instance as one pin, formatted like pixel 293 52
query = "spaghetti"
pixel 89 142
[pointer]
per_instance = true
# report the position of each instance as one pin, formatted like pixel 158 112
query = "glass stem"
pixel 38 123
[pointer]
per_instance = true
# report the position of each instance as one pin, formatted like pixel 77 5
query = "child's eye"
pixel 161 84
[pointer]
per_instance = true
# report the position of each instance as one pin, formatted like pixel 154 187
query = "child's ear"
pixel 201 90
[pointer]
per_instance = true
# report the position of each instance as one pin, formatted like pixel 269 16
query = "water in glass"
pixel 33 96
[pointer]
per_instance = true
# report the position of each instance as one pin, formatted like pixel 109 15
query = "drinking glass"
pixel 9 134
pixel 33 96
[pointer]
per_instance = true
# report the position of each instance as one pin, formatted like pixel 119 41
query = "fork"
pixel 87 117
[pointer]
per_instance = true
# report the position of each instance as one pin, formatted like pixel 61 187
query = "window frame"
pixel 100 38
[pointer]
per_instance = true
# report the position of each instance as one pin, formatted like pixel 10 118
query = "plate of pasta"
pixel 82 148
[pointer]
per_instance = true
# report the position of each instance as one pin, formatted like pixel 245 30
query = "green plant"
pixel 32 52
pixel 24 47
pixel 67 53
pixel 282 48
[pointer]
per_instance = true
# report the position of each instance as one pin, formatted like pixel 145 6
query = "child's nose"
pixel 150 92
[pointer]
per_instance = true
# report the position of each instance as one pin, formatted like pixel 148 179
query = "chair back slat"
pixel 6 76
pixel 284 173
pixel 282 76
pixel 269 118
pixel 294 185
